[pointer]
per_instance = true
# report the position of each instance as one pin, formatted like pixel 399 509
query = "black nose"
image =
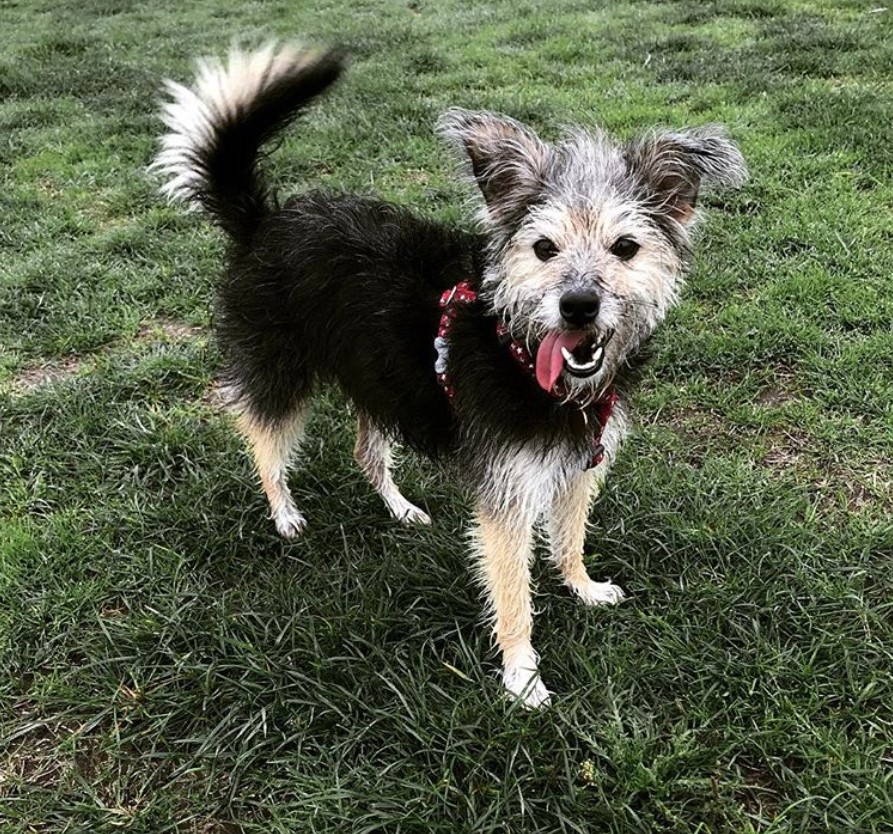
pixel 579 307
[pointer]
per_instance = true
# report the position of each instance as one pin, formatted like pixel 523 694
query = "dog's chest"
pixel 529 476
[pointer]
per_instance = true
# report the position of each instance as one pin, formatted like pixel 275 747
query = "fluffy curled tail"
pixel 217 127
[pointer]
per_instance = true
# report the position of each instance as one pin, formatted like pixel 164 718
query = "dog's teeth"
pixel 581 366
pixel 575 365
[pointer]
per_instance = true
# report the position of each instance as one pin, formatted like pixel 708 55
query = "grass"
pixel 168 665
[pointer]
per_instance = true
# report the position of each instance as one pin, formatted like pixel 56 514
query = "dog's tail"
pixel 217 127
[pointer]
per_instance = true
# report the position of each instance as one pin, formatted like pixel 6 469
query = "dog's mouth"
pixel 575 352
pixel 586 358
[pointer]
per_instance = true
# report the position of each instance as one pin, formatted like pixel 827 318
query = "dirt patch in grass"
pixel 787 449
pixel 61 760
pixel 841 482
pixel 34 376
pixel 33 760
pixel 865 488
pixel 784 388
pixel 774 397
pixel 759 793
pixel 168 330
pixel 698 428
pixel 155 331
pixel 217 827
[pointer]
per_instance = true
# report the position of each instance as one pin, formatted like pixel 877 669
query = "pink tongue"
pixel 549 361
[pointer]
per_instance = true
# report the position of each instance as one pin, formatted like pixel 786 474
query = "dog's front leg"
pixel 566 527
pixel 504 545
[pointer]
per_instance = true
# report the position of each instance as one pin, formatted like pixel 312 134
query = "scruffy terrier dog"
pixel 508 354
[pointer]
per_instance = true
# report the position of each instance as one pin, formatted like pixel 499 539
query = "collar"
pixel 462 295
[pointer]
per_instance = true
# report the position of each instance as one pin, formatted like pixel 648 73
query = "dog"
pixel 506 353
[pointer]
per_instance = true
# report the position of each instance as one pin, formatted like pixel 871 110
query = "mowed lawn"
pixel 167 664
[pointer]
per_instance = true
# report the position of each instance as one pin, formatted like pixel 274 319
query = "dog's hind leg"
pixel 273 445
pixel 566 528
pixel 373 453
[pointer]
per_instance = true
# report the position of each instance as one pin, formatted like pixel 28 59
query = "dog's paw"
pixel 526 686
pixel 408 513
pixel 289 522
pixel 414 515
pixel 599 593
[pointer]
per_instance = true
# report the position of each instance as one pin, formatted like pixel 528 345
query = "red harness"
pixel 461 295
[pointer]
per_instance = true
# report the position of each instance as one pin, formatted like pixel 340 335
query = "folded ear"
pixel 508 160
pixel 674 166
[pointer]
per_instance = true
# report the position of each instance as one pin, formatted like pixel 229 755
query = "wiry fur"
pixel 345 289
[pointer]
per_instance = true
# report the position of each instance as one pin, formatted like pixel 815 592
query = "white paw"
pixel 409 513
pixel 599 593
pixel 526 685
pixel 289 522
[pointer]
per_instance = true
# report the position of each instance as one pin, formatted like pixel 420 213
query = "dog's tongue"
pixel 549 361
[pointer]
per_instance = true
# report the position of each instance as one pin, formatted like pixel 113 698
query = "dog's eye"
pixel 544 249
pixel 625 248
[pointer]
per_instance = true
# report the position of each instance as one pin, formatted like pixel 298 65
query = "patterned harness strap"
pixel 462 295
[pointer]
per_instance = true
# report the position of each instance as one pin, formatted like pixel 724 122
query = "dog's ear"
pixel 674 166
pixel 508 160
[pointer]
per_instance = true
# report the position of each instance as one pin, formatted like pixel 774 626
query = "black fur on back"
pixel 344 289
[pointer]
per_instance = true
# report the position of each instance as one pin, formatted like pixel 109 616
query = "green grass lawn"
pixel 168 664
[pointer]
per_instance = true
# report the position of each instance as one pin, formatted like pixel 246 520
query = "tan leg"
pixel 273 447
pixel 373 453
pixel 566 527
pixel 504 545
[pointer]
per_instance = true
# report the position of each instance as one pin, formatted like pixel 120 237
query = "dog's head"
pixel 588 240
